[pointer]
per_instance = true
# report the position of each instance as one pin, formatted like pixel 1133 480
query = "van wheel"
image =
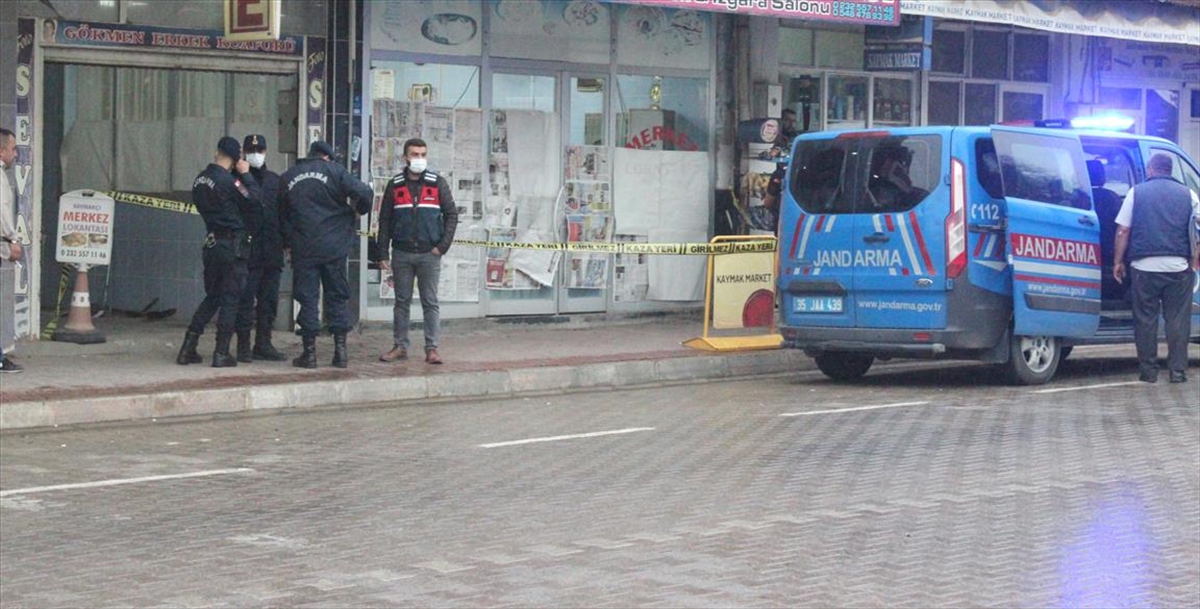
pixel 1034 359
pixel 841 366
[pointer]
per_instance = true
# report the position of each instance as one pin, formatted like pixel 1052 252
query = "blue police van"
pixel 992 244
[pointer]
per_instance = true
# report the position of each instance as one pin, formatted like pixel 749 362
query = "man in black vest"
pixel 1156 225
pixel 319 228
pixel 418 218
pixel 260 297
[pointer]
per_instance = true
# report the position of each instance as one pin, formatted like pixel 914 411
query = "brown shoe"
pixel 432 357
pixel 396 354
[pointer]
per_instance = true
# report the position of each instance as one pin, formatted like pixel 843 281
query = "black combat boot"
pixel 264 350
pixel 307 359
pixel 340 360
pixel 244 355
pixel 221 356
pixel 187 352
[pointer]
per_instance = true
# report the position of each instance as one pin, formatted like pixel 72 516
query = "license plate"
pixel 817 304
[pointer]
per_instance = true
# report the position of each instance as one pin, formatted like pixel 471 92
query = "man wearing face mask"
pixel 418 218
pixel 260 298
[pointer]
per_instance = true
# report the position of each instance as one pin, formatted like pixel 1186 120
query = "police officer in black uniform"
pixel 319 228
pixel 260 297
pixel 224 194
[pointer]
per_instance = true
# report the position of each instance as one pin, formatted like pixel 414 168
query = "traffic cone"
pixel 79 328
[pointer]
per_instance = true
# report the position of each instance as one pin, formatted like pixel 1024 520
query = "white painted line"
pixel 854 409
pixel 594 434
pixel 120 481
pixel 1100 386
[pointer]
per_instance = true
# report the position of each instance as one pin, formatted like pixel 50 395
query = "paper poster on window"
pixel 662 37
pixel 445 27
pixel 500 272
pixel 588 163
pixel 383 84
pixel 378 185
pixel 631 272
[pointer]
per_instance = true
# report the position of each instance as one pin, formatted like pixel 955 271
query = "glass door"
pixel 587 180
pixel 523 193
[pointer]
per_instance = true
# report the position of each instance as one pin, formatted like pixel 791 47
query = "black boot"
pixel 187 352
pixel 263 349
pixel 221 356
pixel 340 360
pixel 243 347
pixel 307 359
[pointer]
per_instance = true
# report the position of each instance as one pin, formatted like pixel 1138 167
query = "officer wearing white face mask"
pixel 417 218
pixel 259 301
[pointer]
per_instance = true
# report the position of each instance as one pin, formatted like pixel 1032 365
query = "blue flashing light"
pixel 1107 122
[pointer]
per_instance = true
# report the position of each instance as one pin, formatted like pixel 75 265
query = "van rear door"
pixel 1053 234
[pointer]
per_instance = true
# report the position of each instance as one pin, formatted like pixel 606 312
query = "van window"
pixel 1180 169
pixel 866 174
pixel 1118 166
pixel 1045 171
pixel 987 168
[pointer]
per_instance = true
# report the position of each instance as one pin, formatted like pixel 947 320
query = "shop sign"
pixel 908 57
pixel 861 12
pixel 314 104
pixel 1140 21
pixel 252 19
pixel 22 303
pixel 85 228
pixel 116 35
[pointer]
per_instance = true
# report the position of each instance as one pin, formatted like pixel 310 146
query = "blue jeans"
pixel 426 268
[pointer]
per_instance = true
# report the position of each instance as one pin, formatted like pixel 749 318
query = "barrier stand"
pixel 739 294
pixel 79 328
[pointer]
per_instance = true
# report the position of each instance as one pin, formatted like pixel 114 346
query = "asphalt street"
pixel 923 485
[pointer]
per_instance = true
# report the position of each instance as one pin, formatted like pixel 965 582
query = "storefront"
pixel 132 97
pixel 553 121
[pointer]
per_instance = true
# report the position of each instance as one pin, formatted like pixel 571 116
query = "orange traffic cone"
pixel 79 328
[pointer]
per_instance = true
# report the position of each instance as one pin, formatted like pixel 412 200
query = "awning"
pixel 1144 21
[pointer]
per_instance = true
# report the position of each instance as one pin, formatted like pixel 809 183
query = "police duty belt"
pixel 678 249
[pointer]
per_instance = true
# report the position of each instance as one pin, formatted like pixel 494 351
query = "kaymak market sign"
pixel 861 12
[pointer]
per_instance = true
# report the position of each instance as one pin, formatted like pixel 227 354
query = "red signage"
pixel 862 12
pixel 252 19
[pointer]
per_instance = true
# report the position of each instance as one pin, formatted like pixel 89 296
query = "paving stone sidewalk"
pixel 133 374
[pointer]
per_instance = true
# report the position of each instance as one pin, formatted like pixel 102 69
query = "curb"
pixel 398 390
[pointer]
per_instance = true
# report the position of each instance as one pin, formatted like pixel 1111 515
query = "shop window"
pixel 949 51
pixel 804 98
pixel 445 27
pixel 839 49
pixel 981 109
pixel 578 32
pixel 523 92
pixel 1121 98
pixel 892 104
pixel 296 16
pixel 668 113
pixel 1023 107
pixel 1195 104
pixel 945 99
pixel 1031 58
pixel 847 102
pixel 1162 113
pixel 796 46
pixel 989 54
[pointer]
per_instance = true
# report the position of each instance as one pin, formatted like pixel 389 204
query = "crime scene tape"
pixel 678 249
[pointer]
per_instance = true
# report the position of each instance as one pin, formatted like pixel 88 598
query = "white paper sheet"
pixel 685 190
pixel 636 190
pixel 677 278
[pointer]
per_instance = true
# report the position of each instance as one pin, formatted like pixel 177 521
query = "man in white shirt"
pixel 10 246
pixel 1157 226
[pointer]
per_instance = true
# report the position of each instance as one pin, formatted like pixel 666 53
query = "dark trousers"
pixel 307 284
pixel 224 277
pixel 1170 293
pixel 260 299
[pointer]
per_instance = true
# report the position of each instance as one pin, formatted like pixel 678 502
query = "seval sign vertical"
pixel 252 19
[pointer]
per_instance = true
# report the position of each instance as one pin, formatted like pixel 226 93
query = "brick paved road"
pixel 957 493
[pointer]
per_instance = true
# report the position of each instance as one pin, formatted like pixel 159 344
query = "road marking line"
pixel 593 434
pixel 1100 386
pixel 119 481
pixel 856 408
